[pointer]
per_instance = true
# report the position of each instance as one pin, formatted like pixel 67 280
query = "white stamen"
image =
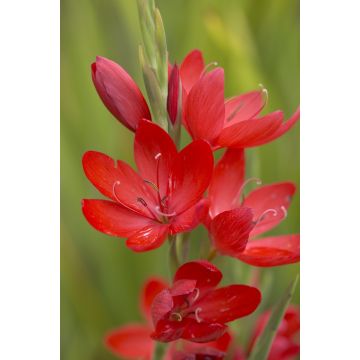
pixel 157 209
pixel 116 183
pixel 157 156
pixel 197 294
pixel 265 92
pixel 197 317
pixel 283 208
pixel 248 181
pixel 263 215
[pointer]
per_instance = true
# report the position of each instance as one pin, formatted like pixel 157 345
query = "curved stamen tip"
pixel 157 209
pixel 158 156
pixel 248 181
pixel 197 294
pixel 116 183
pixel 283 208
pixel 265 213
pixel 265 92
pixel 176 316
pixel 197 317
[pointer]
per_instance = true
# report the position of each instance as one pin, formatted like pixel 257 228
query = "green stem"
pixel 173 254
pixel 159 351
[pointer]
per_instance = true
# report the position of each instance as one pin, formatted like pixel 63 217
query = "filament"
pixel 283 208
pixel 265 213
pixel 197 317
pixel 265 92
pixel 248 181
pixel 207 67
pixel 176 316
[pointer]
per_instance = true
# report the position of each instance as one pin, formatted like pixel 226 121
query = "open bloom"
pixel 233 222
pixel 234 123
pixel 133 341
pixel 163 198
pixel 122 96
pixel 194 309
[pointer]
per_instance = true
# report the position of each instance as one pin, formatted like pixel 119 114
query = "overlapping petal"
pixel 225 185
pixel 273 199
pixel 190 176
pixel 272 251
pixel 113 219
pixel 131 342
pixel 230 230
pixel 228 303
pixel 155 153
pixel 151 288
pixel 204 108
pixel 205 273
pixel 119 93
pixel 244 107
pixel 248 133
pixel 191 69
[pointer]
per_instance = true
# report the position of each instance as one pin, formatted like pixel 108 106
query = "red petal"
pixel 204 108
pixel 132 341
pixel 275 196
pixel 243 107
pixel 205 273
pixel 113 219
pixel 148 238
pixel 191 68
pixel 249 133
pixel 183 287
pixel 230 230
pixel 284 128
pixel 190 218
pixel 203 332
pixel 190 177
pixel 162 304
pixel 173 93
pixel 291 321
pixel 119 182
pixel 283 348
pixel 151 288
pixel 167 330
pixel 228 303
pixel 272 251
pixel 225 186
pixel 119 93
pixel 150 141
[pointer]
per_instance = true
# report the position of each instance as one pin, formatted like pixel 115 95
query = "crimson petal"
pixel 205 273
pixel 248 133
pixel 272 251
pixel 148 238
pixel 190 176
pixel 228 303
pixel 204 108
pixel 119 92
pixel 162 304
pixel 132 341
pixel 154 154
pixel 191 68
pixel 151 288
pixel 203 332
pixel 113 219
pixel 225 185
pixel 276 197
pixel 230 230
pixel 243 107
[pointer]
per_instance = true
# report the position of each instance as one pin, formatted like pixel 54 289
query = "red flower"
pixel 123 98
pixel 234 123
pixel 231 223
pixel 163 198
pixel 133 341
pixel 286 343
pixel 193 309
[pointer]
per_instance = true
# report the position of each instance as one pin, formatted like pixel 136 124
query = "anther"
pixel 157 156
pixel 208 66
pixel 176 316
pixel 197 317
pixel 157 209
pixel 197 294
pixel 264 214
pixel 141 201
pixel 152 185
pixel 116 183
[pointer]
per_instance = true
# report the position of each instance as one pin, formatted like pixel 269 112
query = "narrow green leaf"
pixel 264 342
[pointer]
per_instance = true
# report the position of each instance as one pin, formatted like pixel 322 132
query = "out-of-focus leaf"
pixel 263 343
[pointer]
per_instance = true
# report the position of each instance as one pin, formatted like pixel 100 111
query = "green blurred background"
pixel 256 41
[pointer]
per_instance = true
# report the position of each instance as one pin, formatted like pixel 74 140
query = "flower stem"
pixel 212 254
pixel 173 254
pixel 159 351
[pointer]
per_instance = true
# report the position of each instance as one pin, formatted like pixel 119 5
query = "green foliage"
pixel 256 41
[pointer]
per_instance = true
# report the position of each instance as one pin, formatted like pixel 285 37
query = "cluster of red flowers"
pixel 173 191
